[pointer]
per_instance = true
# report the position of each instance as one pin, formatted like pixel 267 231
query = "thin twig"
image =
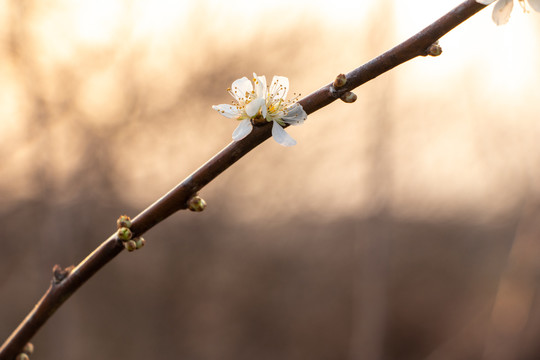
pixel 62 288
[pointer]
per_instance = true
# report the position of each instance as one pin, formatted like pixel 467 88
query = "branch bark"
pixel 176 199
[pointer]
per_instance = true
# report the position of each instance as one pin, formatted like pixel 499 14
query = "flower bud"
pixel 349 97
pixel 28 349
pixel 22 356
pixel 130 245
pixel 340 81
pixel 124 234
pixel 196 203
pixel 139 242
pixel 123 221
pixel 434 49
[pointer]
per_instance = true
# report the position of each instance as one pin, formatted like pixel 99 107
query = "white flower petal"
pixel 240 87
pixel 253 107
pixel 264 109
pixel 279 87
pixel 535 4
pixel 230 111
pixel 502 10
pixel 242 130
pixel 295 115
pixel 485 2
pixel 260 86
pixel 280 135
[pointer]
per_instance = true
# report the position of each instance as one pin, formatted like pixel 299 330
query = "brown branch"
pixel 66 282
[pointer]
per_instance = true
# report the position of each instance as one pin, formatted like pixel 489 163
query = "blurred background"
pixel 403 226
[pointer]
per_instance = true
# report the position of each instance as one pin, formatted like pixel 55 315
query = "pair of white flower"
pixel 256 103
pixel 503 8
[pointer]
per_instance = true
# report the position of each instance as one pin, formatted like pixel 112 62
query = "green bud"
pixel 130 245
pixel 139 242
pixel 22 356
pixel 196 203
pixel 123 221
pixel 28 348
pixel 124 234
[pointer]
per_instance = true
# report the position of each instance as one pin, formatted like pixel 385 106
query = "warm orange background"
pixel 402 226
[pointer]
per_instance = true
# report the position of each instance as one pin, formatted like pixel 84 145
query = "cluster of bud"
pixel 124 233
pixel 27 350
pixel 134 244
pixel 336 89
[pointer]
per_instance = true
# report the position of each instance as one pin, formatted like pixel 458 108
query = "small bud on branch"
pixel 130 245
pixel 140 242
pixel 28 349
pixel 348 97
pixel 124 234
pixel 123 221
pixel 60 274
pixel 340 81
pixel 196 203
pixel 433 50
pixel 22 356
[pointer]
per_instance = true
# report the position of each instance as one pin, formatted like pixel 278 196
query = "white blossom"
pixel 503 8
pixel 256 103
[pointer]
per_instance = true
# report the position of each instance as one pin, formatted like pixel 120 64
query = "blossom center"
pixel 259 119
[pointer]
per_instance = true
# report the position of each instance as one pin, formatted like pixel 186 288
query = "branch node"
pixel 196 203
pixel 60 274
pixel 124 234
pixel 337 88
pixel 348 97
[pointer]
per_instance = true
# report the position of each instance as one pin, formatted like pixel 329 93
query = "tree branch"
pixel 62 287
